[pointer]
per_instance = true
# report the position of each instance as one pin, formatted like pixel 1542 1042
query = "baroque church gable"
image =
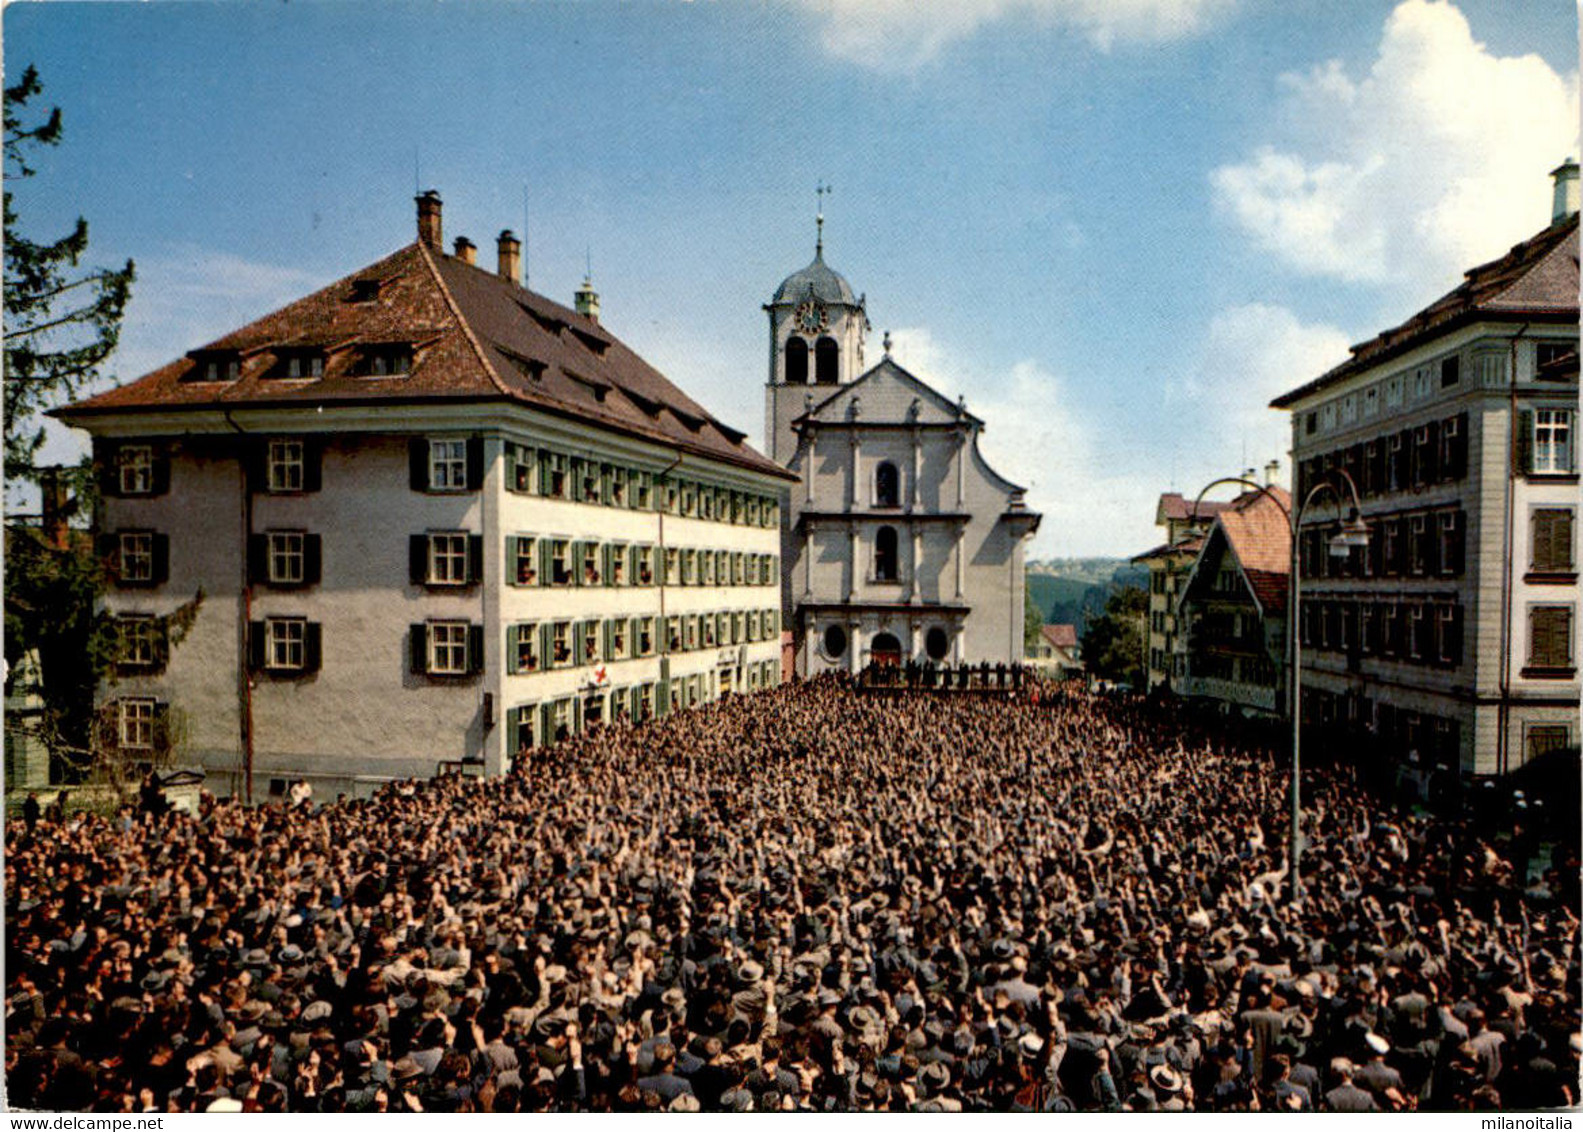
pixel 889 394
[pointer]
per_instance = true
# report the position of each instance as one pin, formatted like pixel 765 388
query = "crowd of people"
pixel 806 899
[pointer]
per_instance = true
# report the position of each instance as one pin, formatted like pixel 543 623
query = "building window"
pixel 525 565
pixel 561 643
pixel 708 568
pixel 689 501
pixel 672 566
pixel 642 490
pixel 560 562
pixel 447 465
pixel 590 564
pixel 887 485
pixel 834 641
pixel 285 562
pixel 286 642
pixel 138 633
pixel 1545 738
pixel 589 485
pixel 1552 540
pixel 1450 371
pixel 1448 628
pixel 135 464
pixel 523 465
pixel 826 361
pixel 690 632
pixel 447 560
pixel 645 702
pixel 388 361
pixel 937 643
pixel 220 367
pixel 689 567
pixel 136 558
pixel 284 465
pixel 618 564
pixel 618 487
pixel 1552 446
pixel 709 632
pixel 885 555
pixel 590 642
pixel 135 719
pixel 448 648
pixel 618 639
pixel 673 634
pixel 645 567
pixel 555 479
pixel 706 503
pixel 303 364
pixel 525 647
pixel 1550 639
pixel 645 636
pixel 796 361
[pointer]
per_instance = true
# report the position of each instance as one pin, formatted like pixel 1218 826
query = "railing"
pixel 1261 696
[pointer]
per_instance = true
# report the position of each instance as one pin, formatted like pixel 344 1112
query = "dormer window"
pixel 300 364
pixel 217 365
pixel 366 290
pixel 391 360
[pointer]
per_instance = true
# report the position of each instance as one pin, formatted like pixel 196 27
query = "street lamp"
pixel 1354 534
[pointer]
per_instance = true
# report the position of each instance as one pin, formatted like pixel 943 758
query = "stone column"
pixel 853 560
pixel 807 559
pixel 808 470
pixel 961 466
pixel 913 590
pixel 855 496
pixel 961 548
pixel 917 468
pixel 854 651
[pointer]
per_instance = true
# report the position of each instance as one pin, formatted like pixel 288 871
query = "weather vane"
pixel 821 190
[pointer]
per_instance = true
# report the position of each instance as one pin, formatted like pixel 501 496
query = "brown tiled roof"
pixel 1190 545
pixel 1059 636
pixel 1537 279
pixel 1173 507
pixel 475 336
pixel 1257 530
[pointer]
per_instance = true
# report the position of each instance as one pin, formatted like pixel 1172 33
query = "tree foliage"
pixel 62 320
pixel 1032 622
pixel 1113 642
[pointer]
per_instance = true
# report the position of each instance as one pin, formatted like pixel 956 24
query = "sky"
pixel 1118 227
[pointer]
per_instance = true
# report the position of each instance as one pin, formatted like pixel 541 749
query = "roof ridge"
pixel 426 255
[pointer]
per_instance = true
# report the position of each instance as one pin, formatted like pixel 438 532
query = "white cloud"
pixel 1433 161
pixel 902 35
pixel 1249 354
pixel 1037 434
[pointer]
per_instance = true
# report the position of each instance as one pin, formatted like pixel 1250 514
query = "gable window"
pixel 220 367
pixel 136 559
pixel 1552 442
pixel 286 558
pixel 284 463
pixel 135 469
pixel 286 642
pixel 887 485
pixel 1549 640
pixel 448 648
pixel 135 723
pixel 139 640
pixel 448 465
pixel 885 555
pixel 525 647
pixel 1552 540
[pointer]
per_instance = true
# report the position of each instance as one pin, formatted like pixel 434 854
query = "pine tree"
pixel 62 320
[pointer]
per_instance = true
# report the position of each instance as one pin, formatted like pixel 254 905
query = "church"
pixel 901 544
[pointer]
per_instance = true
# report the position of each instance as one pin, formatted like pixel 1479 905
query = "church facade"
pixel 901 544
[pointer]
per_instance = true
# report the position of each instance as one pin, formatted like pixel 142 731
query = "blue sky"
pixel 1118 226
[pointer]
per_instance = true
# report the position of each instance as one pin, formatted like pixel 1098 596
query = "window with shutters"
pixel 525 566
pixel 556 481
pixel 642 490
pixel 706 503
pixel 560 562
pixel 708 565
pixel 1448 633
pixel 1419 628
pixel 1453 448
pixel 590 564
pixel 284 464
pixel 689 632
pixel 1391 630
pixel 525 647
pixel 561 643
pixel 526 734
pixel 689 501
pixel 448 559
pixel 645 709
pixel 618 639
pixel 1551 552
pixel 139 633
pixel 1549 640
pixel 588 483
pixel 736 629
pixel 644 556
pixel 1547 737
pixel 751 511
pixel 618 487
pixel 1552 441
pixel 689 567
pixel 135 469
pixel 286 559
pixel 1453 542
pixel 709 631
pixel 135 722
pixel 136 557
pixel 618 563
pixel 448 648
pixel 736 568
pixel 645 636
pixel 1396 462
pixel 1418 543
pixel 673 572
pixel 285 645
pixel 448 465
pixel 589 633
pixel 524 468
pixel 561 719
pixel 673 633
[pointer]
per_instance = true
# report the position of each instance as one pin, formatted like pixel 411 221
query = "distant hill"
pixel 1064 589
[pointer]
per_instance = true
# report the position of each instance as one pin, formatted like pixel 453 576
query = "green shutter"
pixel 1525 443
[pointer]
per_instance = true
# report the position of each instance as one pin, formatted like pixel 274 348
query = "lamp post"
pixel 1354 533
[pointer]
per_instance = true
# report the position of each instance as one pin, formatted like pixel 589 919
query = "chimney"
pixel 510 256
pixel 1565 203
pixel 587 300
pixel 429 230
pixel 52 507
pixel 1271 470
pixel 467 251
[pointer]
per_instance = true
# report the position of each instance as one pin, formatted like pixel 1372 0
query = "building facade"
pixel 901 544
pixel 1168 565
pixel 1233 608
pixel 1454 635
pixel 434 518
pixel 1057 652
